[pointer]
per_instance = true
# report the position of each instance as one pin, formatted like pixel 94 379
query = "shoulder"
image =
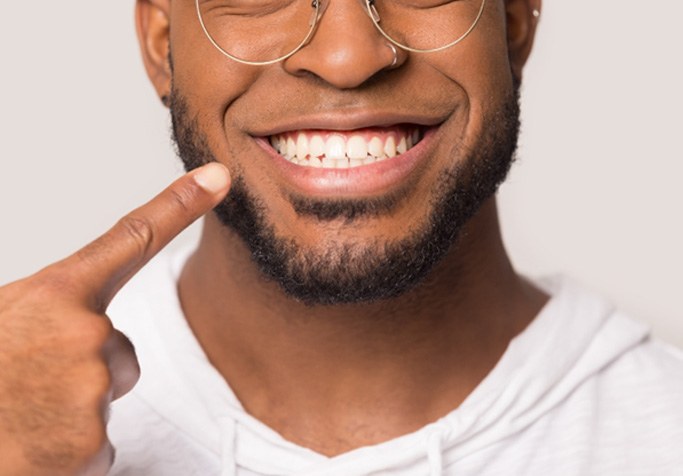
pixel 662 359
pixel 623 412
pixel 638 411
pixel 649 377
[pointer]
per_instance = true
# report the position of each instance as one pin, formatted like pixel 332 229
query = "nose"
pixel 346 49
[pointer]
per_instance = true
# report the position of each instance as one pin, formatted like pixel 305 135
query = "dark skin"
pixel 331 378
pixel 61 361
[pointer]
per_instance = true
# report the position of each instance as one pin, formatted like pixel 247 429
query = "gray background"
pixel 596 194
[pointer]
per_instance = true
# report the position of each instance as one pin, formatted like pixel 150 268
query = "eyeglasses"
pixel 262 32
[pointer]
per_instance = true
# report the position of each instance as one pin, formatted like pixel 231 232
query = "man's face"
pixel 358 233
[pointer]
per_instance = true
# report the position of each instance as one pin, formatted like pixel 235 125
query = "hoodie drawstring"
pixel 228 462
pixel 434 455
pixel 228 430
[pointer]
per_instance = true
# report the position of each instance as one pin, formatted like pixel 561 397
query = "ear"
pixel 522 19
pixel 153 26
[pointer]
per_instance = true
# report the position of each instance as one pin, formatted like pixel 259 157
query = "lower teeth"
pixel 327 163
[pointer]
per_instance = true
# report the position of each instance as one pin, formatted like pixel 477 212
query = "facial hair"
pixel 345 273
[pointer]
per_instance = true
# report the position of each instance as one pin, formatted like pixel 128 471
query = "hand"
pixel 61 361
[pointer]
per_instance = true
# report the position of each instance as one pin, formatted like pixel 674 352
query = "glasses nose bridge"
pixel 320 6
pixel 341 50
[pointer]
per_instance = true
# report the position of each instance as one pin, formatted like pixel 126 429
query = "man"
pixel 350 308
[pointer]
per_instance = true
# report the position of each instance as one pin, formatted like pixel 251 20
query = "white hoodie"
pixel 583 390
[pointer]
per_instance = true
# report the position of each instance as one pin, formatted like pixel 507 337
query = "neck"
pixel 333 378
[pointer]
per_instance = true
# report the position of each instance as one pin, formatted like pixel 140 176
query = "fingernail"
pixel 212 177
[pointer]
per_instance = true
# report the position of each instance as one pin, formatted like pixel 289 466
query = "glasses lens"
pixel 257 31
pixel 426 24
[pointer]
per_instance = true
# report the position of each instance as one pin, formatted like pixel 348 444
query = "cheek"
pixel 208 81
pixel 480 64
pixel 490 61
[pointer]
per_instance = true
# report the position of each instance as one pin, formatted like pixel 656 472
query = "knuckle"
pixel 183 197
pixel 97 331
pixel 94 387
pixel 140 230
pixel 101 384
pixel 85 451
pixel 96 443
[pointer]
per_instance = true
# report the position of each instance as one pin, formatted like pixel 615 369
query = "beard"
pixel 346 273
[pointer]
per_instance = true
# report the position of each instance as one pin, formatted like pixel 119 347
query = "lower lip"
pixel 371 179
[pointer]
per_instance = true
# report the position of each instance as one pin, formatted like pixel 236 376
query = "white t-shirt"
pixel 582 391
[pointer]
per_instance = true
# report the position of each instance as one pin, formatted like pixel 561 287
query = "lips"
pixel 352 163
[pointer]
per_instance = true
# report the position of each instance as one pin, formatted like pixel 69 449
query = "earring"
pixel 536 13
pixel 165 100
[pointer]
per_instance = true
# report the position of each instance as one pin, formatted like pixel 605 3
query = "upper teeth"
pixel 342 150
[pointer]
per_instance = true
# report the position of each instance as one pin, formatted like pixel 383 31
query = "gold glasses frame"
pixel 319 7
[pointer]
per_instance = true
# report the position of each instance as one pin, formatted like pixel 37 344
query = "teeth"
pixel 335 147
pixel 402 146
pixel 356 148
pixel 328 163
pixel 317 146
pixel 375 147
pixel 336 151
pixel 390 147
pixel 291 147
pixel 301 145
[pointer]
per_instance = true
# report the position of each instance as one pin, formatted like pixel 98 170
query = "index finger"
pixel 107 263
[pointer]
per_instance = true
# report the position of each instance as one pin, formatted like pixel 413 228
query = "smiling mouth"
pixel 346 149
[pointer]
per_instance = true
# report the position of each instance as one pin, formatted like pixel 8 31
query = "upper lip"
pixel 345 121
